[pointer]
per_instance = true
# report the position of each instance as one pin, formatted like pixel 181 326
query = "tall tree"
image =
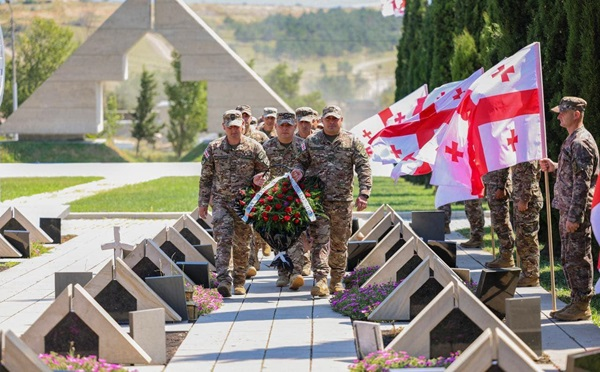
pixel 442 23
pixel 40 50
pixel 465 59
pixel 287 84
pixel 111 118
pixel 144 119
pixel 187 109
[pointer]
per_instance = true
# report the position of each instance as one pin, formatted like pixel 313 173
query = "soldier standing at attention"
pixel 307 118
pixel 576 174
pixel 284 150
pixel 527 203
pixel 498 187
pixel 268 125
pixel 334 155
pixel 249 131
pixel 474 213
pixel 230 163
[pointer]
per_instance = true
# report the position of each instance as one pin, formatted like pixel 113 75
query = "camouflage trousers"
pixel 296 254
pixel 447 209
pixel 233 239
pixel 500 216
pixel 474 212
pixel 257 244
pixel 576 258
pixel 527 225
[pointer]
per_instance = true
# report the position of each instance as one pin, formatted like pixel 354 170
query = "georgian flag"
pixel 405 145
pixel 393 7
pixel 595 220
pixel 395 114
pixel 504 112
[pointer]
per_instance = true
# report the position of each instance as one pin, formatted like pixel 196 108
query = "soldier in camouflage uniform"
pixel 498 187
pixel 527 203
pixel 577 172
pixel 268 125
pixel 474 212
pixel 257 242
pixel 447 209
pixel 230 163
pixel 284 149
pixel 334 154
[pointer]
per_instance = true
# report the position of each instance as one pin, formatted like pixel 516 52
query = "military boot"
pixel 554 312
pixel 528 281
pixel 296 282
pixel 578 311
pixel 251 272
pixel 266 250
pixel 320 288
pixel 224 289
pixel 504 260
pixel 282 280
pixel 239 290
pixel 447 229
pixel 335 284
pixel 474 242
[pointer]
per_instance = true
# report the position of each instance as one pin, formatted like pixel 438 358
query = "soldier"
pixel 498 187
pixel 527 203
pixel 268 125
pixel 257 242
pixel 284 149
pixel 474 212
pixel 333 155
pixel 577 171
pixel 307 118
pixel 230 163
pixel 447 209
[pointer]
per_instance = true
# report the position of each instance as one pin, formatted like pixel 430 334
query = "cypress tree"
pixel 465 59
pixel 442 24
pixel 144 125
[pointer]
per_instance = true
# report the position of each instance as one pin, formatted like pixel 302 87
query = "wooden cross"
pixel 118 248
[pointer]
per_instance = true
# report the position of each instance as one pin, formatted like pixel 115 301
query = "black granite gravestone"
pixel 117 301
pixel 172 251
pixel 394 248
pixel 444 250
pixel 206 250
pixel 12 224
pixel 355 226
pixel 63 279
pixel 455 332
pixel 357 251
pixel 423 296
pixel 429 225
pixel 585 361
pixel 408 267
pixel 171 290
pixel 189 236
pixel 19 239
pixel 145 268
pixel 197 271
pixel 51 226
pixel 495 286
pixel 205 226
pixel 72 332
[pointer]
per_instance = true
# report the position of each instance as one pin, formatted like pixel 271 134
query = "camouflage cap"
pixel 253 120
pixel 270 112
pixel 306 114
pixel 232 118
pixel 244 109
pixel 570 103
pixel 332 111
pixel 286 118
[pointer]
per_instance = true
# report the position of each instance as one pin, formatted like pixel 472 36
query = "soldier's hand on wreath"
pixel 203 212
pixel 361 203
pixel 522 205
pixel 547 165
pixel 500 194
pixel 297 174
pixel 572 226
pixel 259 179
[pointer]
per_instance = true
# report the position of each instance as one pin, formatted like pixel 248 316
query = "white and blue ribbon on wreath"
pixel 297 189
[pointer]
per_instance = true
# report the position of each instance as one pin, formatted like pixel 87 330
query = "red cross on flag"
pixel 504 112
pixel 403 145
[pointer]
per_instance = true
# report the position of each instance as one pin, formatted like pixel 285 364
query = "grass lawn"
pixel 12 188
pixel 562 290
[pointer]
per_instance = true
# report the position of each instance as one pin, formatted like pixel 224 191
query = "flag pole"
pixel 550 244
pixel 493 242
pixel 546 177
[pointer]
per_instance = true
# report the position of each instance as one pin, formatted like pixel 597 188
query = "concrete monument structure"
pixel 69 104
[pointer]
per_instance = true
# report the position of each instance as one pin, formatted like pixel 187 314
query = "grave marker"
pixel 114 344
pixel 171 290
pixel 147 328
pixel 63 279
pixel 20 240
pixel 585 361
pixel 51 226
pixel 177 248
pixel 367 338
pixel 127 281
pixel 195 234
pixel 391 243
pixel 523 318
pixel 7 250
pixel 429 225
pixel 15 355
pixel 117 246
pixel 444 250
pixel 12 219
pixel 496 286
pixel 370 223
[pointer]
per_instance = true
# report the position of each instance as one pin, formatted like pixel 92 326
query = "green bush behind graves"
pixel 12 188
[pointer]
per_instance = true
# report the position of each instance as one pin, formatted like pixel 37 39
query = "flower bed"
pixel 384 360
pixel 358 303
pixel 77 363
pixel 206 300
pixel 358 277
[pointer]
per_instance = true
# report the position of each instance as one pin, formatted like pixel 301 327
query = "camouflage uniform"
pixel 500 208
pixel 575 182
pixel 269 134
pixel 256 135
pixel 447 209
pixel 334 162
pixel 225 170
pixel 526 188
pixel 474 212
pixel 280 154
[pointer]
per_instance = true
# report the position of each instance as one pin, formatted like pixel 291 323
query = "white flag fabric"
pixel 393 7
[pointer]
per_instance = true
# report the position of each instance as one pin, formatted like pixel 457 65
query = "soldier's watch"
pixel 366 197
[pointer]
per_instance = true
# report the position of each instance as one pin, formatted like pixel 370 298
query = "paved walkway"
pixel 268 328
